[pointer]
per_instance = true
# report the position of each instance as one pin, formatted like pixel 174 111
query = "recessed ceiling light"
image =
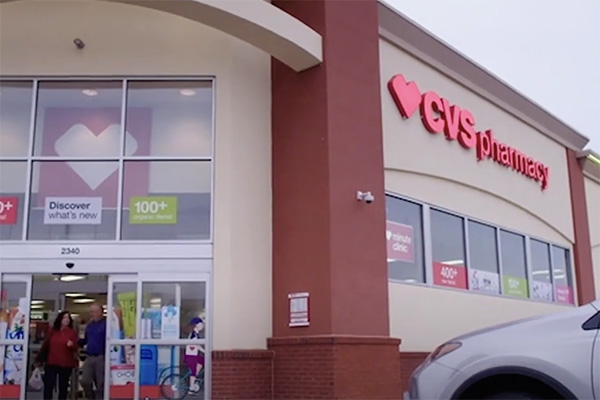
pixel 74 294
pixel 83 300
pixel 90 92
pixel 37 301
pixel 71 278
pixel 188 92
pixel 37 306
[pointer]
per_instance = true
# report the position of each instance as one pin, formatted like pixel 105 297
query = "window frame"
pixel 30 158
pixel 570 268
pixel 529 241
pixel 427 239
pixel 465 242
pixel 498 254
pixel 426 271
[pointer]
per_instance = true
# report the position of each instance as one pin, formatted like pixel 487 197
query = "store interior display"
pixel 170 311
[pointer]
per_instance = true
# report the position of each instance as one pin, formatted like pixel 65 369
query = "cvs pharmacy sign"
pixel 439 115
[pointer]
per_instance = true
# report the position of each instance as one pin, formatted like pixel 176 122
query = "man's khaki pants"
pixel 93 373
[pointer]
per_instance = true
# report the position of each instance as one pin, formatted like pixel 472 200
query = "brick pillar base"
pixel 410 361
pixel 336 367
pixel 243 374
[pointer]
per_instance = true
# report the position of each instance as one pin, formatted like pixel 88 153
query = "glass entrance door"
pixel 157 342
pixel 15 296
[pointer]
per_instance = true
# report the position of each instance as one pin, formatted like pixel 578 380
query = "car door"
pixel 596 366
pixel 596 363
pixel 594 324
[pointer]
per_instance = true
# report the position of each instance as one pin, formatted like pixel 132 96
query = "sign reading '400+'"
pixel 153 210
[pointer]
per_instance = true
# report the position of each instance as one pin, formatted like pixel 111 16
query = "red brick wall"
pixel 409 361
pixel 246 375
pixel 330 367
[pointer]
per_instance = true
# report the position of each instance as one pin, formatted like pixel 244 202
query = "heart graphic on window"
pixel 81 141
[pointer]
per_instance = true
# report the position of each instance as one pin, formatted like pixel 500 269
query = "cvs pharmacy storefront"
pixel 133 161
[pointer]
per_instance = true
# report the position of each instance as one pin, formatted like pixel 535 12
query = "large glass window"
pixel 78 119
pixel 166 200
pixel 73 200
pixel 563 278
pixel 175 115
pixel 448 250
pixel 492 260
pixel 106 154
pixel 15 118
pixel 483 258
pixel 13 178
pixel 404 236
pixel 541 281
pixel 514 265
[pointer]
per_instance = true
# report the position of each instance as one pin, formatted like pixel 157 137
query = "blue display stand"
pixel 148 364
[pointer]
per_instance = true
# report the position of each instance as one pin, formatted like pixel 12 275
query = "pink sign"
pixel 400 242
pixel 8 210
pixel 92 132
pixel 564 294
pixel 449 275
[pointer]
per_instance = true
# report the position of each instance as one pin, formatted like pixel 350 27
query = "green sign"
pixel 153 210
pixel 514 286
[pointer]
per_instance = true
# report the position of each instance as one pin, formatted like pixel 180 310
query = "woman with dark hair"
pixel 58 352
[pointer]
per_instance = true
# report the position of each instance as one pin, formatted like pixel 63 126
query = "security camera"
pixel 80 44
pixel 70 265
pixel 367 197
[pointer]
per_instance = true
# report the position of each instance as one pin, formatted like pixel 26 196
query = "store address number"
pixel 70 251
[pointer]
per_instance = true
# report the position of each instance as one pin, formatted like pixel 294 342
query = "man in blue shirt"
pixel 93 368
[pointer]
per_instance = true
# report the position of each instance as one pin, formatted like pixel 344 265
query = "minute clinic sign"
pixel 439 115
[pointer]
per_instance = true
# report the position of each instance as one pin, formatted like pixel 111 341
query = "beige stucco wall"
pixel 37 39
pixel 592 198
pixel 434 170
pixel 424 317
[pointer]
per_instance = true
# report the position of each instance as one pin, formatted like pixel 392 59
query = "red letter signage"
pixel 439 115
pixel 431 108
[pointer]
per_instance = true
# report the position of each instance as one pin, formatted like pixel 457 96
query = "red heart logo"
pixel 406 95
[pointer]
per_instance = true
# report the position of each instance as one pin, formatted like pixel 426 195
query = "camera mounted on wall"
pixel 367 197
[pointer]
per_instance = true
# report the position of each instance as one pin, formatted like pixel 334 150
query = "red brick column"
pixel 582 248
pixel 327 145
pixel 325 367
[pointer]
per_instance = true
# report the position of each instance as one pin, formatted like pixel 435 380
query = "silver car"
pixel 555 356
